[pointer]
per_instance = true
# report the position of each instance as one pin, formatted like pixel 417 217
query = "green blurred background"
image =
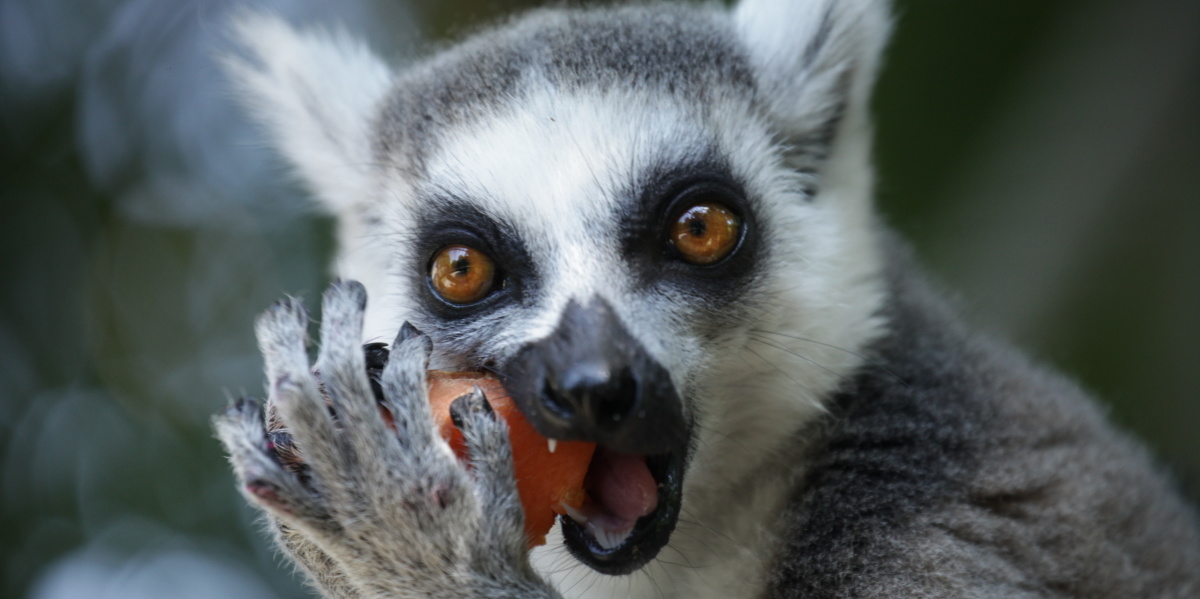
pixel 1043 156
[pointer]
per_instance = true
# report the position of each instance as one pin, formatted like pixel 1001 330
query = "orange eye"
pixel 705 233
pixel 461 274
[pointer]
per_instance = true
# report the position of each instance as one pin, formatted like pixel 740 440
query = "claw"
pixel 243 405
pixel 473 402
pixel 407 331
pixel 456 412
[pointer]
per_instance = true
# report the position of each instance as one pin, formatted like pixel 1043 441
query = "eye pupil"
pixel 705 233
pixel 461 274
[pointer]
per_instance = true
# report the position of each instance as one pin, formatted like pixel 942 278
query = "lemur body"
pixel 815 420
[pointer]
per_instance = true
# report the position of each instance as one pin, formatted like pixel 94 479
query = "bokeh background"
pixel 1043 156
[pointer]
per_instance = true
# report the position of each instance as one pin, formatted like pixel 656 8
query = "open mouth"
pixel 632 507
pixel 633 500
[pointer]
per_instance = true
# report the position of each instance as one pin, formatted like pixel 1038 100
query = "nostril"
pixel 589 396
pixel 556 402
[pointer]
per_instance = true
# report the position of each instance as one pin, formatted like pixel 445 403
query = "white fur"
pixel 777 34
pixel 318 93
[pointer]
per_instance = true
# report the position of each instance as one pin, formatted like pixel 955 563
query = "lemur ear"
pixel 317 92
pixel 815 60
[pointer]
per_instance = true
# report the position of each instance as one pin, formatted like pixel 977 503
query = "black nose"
pixel 591 380
pixel 591 390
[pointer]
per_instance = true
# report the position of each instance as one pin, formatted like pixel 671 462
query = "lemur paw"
pixel 392 511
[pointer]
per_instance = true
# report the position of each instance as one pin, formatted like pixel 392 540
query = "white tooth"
pixel 573 513
pixel 608 539
pixel 602 537
pixel 552 444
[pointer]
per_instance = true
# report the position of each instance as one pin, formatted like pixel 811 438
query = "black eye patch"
pixel 656 201
pixel 446 221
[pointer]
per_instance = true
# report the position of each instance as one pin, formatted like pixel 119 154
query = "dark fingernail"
pixel 242 405
pixel 478 396
pixel 458 407
pixel 407 331
pixel 473 401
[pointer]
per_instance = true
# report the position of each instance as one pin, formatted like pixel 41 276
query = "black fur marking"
pixel 656 198
pixel 447 221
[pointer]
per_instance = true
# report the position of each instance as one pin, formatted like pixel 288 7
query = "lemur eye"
pixel 705 233
pixel 462 275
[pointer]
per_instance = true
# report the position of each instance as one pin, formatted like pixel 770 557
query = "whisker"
pixel 864 358
pixel 789 351
pixel 782 371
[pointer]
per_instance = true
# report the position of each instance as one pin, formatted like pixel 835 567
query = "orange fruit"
pixel 546 481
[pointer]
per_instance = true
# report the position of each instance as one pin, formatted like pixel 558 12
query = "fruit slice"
pixel 549 474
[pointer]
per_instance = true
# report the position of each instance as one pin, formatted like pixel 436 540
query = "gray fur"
pixel 953 467
pixel 689 51
pixel 895 453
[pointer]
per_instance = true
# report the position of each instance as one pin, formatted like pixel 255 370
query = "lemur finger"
pixel 503 539
pixel 282 334
pixel 436 491
pixel 342 366
pixel 404 389
pixel 261 477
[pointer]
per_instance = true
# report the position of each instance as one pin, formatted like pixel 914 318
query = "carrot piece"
pixel 545 481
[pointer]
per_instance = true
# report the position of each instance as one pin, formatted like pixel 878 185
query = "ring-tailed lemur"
pixel 655 224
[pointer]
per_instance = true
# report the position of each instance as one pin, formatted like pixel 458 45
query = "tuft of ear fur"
pixel 318 93
pixel 815 60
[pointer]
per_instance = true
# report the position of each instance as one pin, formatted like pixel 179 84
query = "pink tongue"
pixel 622 485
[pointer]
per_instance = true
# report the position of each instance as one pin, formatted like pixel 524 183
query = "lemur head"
pixel 653 222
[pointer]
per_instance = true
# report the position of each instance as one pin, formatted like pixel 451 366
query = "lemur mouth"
pixel 633 500
pixel 633 505
pixel 591 380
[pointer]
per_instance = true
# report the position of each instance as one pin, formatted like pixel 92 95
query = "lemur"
pixel 654 223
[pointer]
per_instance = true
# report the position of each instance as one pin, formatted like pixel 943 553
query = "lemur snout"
pixel 591 380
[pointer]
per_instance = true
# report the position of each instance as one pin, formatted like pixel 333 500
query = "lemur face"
pixel 612 254
pixel 602 269
pixel 607 210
